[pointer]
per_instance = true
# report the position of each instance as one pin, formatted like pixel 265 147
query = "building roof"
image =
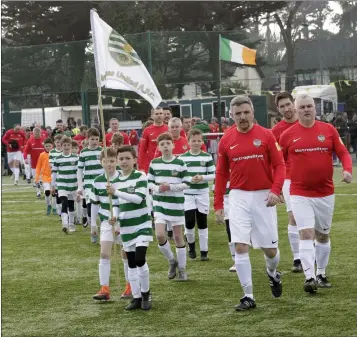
pixel 331 53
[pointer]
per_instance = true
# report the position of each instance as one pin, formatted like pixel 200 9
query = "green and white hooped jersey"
pixel 53 155
pixel 168 205
pixel 134 219
pixel 89 162
pixel 202 164
pixel 65 168
pixel 100 196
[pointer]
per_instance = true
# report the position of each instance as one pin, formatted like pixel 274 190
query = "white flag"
pixel 117 64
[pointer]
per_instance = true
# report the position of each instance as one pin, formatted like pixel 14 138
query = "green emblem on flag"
pixel 121 51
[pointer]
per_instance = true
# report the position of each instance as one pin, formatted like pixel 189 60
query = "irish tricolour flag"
pixel 234 52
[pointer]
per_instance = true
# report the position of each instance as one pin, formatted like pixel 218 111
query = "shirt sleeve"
pixel 94 194
pixel 5 137
pixel 27 150
pixel 143 149
pixel 126 139
pixel 341 151
pixel 222 176
pixel 277 163
pixel 211 170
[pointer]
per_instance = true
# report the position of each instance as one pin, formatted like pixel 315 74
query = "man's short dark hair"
pixel 185 117
pixel 282 95
pixel 167 108
pixel 59 121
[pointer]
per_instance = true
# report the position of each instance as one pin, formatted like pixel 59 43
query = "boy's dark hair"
pixel 58 137
pixel 74 143
pixel 48 141
pixel 194 132
pixel 83 127
pixel 127 148
pixel 66 139
pixel 281 95
pixel 111 152
pixel 165 136
pixel 93 132
pixel 118 138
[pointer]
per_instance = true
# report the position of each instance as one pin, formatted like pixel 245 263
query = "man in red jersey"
pixel 14 140
pixel 180 142
pixel 114 128
pixel 250 157
pixel 81 137
pixel 32 151
pixel 134 139
pixel 308 146
pixel 148 142
pixel 44 133
pixel 285 104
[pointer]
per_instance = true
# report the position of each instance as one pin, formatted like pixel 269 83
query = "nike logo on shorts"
pixel 274 241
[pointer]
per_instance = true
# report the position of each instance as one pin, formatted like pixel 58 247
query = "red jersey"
pixel 251 161
pixel 277 131
pixel 34 148
pixel 214 129
pixel 134 137
pixel 183 133
pixel 79 139
pixel 148 145
pixel 44 134
pixel 10 135
pixel 309 151
pixel 108 138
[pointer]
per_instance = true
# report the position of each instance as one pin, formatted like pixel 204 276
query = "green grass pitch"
pixel 48 279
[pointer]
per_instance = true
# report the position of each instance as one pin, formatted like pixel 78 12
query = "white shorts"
pixel 168 223
pixel 197 201
pixel 46 186
pixel 251 221
pixel 132 248
pixel 11 156
pixel 286 194
pixel 314 213
pixel 69 195
pixel 226 206
pixel 33 172
pixel 213 146
pixel 106 233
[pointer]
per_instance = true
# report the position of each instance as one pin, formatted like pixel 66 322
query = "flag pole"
pixel 219 84
pixel 116 260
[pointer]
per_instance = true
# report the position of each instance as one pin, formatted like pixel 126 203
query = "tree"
pixel 347 21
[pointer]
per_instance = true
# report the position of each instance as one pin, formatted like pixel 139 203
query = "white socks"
pixel 16 171
pixel 307 257
pixel 166 250
pixel 134 282
pixel 294 239
pixel 104 272
pixel 125 263
pixel 143 273
pixel 71 218
pixel 323 251
pixel 232 249
pixel 244 272
pixel 64 217
pixel 203 237
pixel 272 263
pixel 181 257
pixel 190 235
pixel 48 200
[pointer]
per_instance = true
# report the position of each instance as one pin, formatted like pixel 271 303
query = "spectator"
pixel 167 114
pixel 48 130
pixel 341 126
pixel 186 124
pixel 353 133
pixel 60 129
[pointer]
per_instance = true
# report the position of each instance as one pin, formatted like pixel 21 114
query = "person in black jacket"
pixel 353 133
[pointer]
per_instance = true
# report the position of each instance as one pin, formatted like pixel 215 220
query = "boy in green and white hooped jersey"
pixel 135 225
pixel 201 169
pixel 101 206
pixel 89 167
pixel 56 202
pixel 64 177
pixel 167 179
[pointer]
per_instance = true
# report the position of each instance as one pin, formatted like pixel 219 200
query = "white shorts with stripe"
pixel 11 156
pixel 314 213
pixel 286 194
pixel 70 195
pixel 197 201
pixel 251 221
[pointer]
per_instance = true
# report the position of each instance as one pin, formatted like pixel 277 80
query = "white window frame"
pixel 208 103
pixel 223 113
pixel 184 105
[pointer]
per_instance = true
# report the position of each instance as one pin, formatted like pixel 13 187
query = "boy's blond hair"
pixel 66 139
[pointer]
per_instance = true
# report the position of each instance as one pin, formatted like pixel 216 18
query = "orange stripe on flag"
pixel 249 55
